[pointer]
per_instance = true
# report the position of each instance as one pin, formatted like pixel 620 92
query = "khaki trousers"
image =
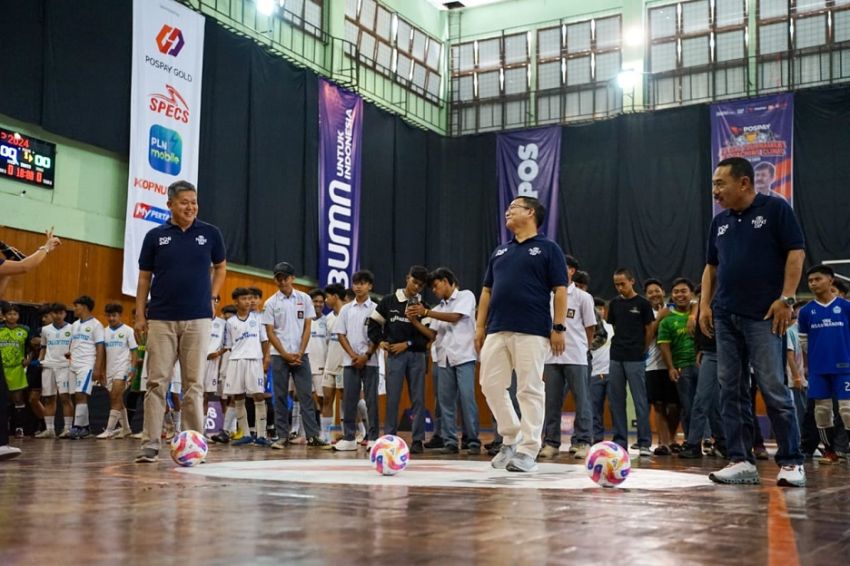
pixel 502 354
pixel 168 342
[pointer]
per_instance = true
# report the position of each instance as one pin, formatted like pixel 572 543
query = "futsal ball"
pixel 608 464
pixel 188 448
pixel 389 455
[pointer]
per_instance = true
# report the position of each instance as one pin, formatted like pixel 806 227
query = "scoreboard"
pixel 27 159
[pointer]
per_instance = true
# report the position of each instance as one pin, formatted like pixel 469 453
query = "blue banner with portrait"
pixel 761 130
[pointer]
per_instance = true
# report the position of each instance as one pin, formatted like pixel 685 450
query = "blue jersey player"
pixel 826 323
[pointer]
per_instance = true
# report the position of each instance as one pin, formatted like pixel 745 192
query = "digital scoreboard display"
pixel 27 159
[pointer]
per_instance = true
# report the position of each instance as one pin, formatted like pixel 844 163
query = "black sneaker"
pixel 493 448
pixel 222 437
pixel 450 449
pixel 435 442
pixel 689 452
pixel 474 449
pixel 316 442
pixel 417 447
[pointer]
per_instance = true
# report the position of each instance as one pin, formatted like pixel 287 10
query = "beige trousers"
pixel 503 353
pixel 168 342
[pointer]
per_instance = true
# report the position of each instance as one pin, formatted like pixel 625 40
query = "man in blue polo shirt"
pixel 174 266
pixel 754 262
pixel 514 330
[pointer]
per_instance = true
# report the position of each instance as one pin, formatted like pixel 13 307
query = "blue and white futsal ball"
pixel 608 464
pixel 188 448
pixel 389 455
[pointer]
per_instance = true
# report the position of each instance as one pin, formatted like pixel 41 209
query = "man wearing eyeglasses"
pixel 515 331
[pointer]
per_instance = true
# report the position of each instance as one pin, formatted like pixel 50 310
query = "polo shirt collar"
pixel 531 239
pixel 758 202
pixel 191 226
pixel 455 293
pixel 571 288
pixel 402 298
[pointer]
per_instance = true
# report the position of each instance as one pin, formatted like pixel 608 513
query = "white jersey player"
pixel 87 362
pixel 121 347
pixel 54 358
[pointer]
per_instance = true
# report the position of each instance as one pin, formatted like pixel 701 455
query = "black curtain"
pixel 821 172
pixel 377 209
pixel 588 205
pixel 22 54
pixel 410 196
pixel 664 193
pixel 87 71
pixel 225 135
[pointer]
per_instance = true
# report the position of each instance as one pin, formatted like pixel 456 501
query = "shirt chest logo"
pixel 634 310
pixel 759 221
pixel 165 240
pixel 535 251
pixel 722 230
pixel 836 309
pixel 501 252
pixel 201 240
pixel 571 313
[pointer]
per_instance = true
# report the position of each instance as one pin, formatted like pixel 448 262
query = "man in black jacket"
pixel 405 339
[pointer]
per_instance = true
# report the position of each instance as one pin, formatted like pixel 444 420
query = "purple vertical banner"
pixel 340 135
pixel 761 130
pixel 529 165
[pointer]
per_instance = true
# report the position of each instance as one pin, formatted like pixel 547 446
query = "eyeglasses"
pixel 515 205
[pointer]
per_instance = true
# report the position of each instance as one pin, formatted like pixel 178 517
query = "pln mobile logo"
pixel 169 41
pixel 150 213
pixel 165 153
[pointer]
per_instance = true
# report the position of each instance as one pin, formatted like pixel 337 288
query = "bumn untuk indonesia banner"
pixel 340 135
pixel 529 165
pixel 165 114
pixel 761 130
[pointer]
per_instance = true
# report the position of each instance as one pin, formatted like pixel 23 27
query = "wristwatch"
pixel 789 300
pixel 559 328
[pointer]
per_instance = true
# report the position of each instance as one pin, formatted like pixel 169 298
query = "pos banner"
pixel 761 130
pixel 529 165
pixel 165 114
pixel 340 135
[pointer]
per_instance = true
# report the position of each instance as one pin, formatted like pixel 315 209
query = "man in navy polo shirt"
pixel 754 262
pixel 514 330
pixel 174 266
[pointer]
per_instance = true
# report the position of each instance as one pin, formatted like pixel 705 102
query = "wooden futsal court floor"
pixel 84 502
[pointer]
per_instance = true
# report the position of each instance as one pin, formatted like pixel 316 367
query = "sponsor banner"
pixel 340 134
pixel 761 130
pixel 165 111
pixel 529 165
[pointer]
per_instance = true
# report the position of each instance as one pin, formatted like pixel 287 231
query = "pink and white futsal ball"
pixel 389 455
pixel 188 448
pixel 608 464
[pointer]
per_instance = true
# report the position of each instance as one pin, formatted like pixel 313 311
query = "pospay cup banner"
pixel 760 130
pixel 529 165
pixel 340 135
pixel 165 114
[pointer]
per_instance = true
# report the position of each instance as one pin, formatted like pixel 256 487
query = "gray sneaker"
pixel 522 463
pixel 147 456
pixel 736 473
pixel 500 460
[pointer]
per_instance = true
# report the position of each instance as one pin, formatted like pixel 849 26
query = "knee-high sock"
pixel 177 419
pixel 113 420
pixel 81 414
pixel 125 422
pixel 242 416
pixel 230 419
pixel 260 418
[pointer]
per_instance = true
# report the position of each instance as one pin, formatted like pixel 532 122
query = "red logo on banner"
pixel 172 105
pixel 169 41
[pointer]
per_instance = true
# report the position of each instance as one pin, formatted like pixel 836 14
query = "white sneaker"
pixel 500 460
pixel 345 446
pixel 46 433
pixel 737 473
pixel 580 451
pixel 645 451
pixel 65 434
pixel 8 452
pixel 105 435
pixel 791 476
pixel 119 433
pixel 549 451
pixel 137 436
